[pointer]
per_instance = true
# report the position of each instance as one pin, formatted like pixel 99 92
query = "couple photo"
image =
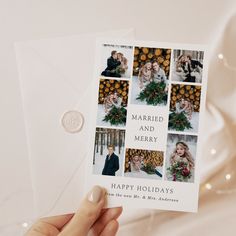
pixel 116 61
pixel 180 161
pixel 151 72
pixel 143 164
pixel 112 103
pixel 108 152
pixel 188 66
pixel 150 87
pixel 150 76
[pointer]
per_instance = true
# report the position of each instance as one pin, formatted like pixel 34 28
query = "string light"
pixel 220 56
pixel 228 176
pixel 208 186
pixel 25 225
pixel 225 62
pixel 213 151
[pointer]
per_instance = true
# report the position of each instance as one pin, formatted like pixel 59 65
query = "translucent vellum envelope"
pixel 56 76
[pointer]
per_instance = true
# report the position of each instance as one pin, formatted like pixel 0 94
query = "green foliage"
pixel 179 121
pixel 154 93
pixel 149 169
pixel 116 116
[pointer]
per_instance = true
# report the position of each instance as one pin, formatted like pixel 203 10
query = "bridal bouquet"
pixel 179 171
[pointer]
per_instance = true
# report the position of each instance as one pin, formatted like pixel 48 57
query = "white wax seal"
pixel 72 121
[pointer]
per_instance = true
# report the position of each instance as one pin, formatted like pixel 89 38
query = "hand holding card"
pixel 97 222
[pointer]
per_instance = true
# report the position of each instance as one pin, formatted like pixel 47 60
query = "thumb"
pixel 87 213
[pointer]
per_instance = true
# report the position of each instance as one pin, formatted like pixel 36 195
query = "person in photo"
pixel 112 100
pixel 180 69
pixel 158 74
pixel 193 69
pixel 122 68
pixel 112 64
pixel 182 153
pixel 136 163
pixel 111 162
pixel 145 75
pixel 188 69
pixel 186 107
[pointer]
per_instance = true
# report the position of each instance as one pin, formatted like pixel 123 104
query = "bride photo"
pixel 180 157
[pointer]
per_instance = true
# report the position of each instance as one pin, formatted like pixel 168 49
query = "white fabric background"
pixel 186 21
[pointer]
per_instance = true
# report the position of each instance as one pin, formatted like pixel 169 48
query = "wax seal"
pixel 72 121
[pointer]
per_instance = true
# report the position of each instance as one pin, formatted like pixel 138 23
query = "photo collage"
pixel 145 76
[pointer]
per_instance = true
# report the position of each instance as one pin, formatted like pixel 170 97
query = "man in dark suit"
pixel 192 65
pixel 111 162
pixel 112 64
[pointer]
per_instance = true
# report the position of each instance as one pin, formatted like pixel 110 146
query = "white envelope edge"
pixel 58 208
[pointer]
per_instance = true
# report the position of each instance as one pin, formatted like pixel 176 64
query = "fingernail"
pixel 95 194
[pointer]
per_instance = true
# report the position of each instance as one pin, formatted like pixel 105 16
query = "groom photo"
pixel 109 152
pixel 111 164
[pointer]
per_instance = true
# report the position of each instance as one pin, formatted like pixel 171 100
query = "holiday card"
pixel 146 135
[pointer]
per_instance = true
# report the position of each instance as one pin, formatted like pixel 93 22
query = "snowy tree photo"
pixel 104 138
